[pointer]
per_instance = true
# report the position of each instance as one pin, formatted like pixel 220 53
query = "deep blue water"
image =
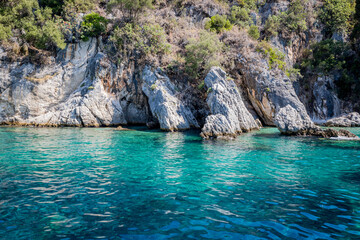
pixel 88 183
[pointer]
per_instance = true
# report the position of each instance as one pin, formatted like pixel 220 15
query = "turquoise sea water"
pixel 75 183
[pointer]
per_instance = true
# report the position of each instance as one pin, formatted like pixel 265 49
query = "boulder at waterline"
pixel 346 120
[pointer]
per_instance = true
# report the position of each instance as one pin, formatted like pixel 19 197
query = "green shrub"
pixel 202 54
pixel 254 32
pixel 240 16
pixel 131 8
pixel 55 5
pixel 5 32
pixel 327 56
pixel 146 39
pixel 218 24
pixel 63 7
pixel 93 25
pixel 25 19
pixel 79 5
pixel 293 74
pixel 291 21
pixel 335 14
pixel 274 56
pixel 272 25
pixel 330 57
pixel 248 4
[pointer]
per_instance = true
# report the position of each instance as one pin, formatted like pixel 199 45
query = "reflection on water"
pixel 107 184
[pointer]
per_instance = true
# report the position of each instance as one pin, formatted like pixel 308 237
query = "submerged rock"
pixel 171 113
pixel 229 116
pixel 347 120
pixel 120 128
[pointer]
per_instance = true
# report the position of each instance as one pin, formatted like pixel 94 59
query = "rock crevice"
pixel 164 104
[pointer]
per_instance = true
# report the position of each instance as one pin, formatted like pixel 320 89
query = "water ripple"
pixel 106 184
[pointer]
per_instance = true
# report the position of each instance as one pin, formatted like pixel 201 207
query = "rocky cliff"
pixel 119 78
pixel 82 87
pixel 69 92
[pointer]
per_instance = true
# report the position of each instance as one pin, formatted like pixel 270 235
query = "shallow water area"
pixel 100 183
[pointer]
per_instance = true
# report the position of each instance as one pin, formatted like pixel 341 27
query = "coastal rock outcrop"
pixel 290 122
pixel 273 97
pixel 171 113
pixel 271 93
pixel 69 92
pixel 346 120
pixel 229 116
pixel 268 90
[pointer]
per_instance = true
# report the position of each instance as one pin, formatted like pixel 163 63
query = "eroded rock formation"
pixel 82 87
pixel 229 116
pixel 69 92
pixel 171 113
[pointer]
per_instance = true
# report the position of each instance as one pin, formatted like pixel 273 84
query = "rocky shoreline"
pixel 85 89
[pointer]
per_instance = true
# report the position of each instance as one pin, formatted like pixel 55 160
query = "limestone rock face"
pixel 347 120
pixel 269 90
pixel 218 126
pixel 273 97
pixel 165 106
pixel 69 92
pixel 229 116
pixel 326 103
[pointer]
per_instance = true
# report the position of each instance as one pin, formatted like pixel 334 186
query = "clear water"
pixel 106 184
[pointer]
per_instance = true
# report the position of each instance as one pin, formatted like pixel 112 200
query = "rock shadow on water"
pixel 338 144
pixel 352 176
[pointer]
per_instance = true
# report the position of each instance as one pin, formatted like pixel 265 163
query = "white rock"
pixel 171 113
pixel 229 114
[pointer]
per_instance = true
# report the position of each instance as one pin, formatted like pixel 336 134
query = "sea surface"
pixel 100 183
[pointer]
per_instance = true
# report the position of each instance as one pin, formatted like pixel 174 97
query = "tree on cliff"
pixel 27 21
pixel 131 8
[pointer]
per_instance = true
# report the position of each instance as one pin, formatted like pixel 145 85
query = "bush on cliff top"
pixel 336 14
pixel 64 7
pixel 132 39
pixel 202 54
pixel 291 21
pixel 131 8
pixel 93 25
pixel 25 19
pixel 240 16
pixel 218 24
